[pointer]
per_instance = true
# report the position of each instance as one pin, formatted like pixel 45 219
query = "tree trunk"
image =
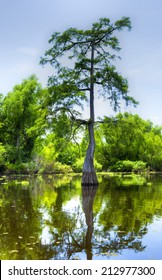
pixel 89 175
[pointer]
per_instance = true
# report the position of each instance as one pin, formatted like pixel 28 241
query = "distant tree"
pixel 89 70
pixel 127 137
pixel 20 113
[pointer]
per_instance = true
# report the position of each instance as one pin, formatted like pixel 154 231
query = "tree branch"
pixel 107 33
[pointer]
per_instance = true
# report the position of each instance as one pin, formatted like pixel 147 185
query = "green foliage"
pixel 78 165
pixel 21 168
pixel 2 155
pixel 55 167
pixel 38 126
pixel 90 54
pixel 54 154
pixel 123 143
pixel 38 130
pixel 128 137
pixel 20 112
pixel 129 166
pixel 70 84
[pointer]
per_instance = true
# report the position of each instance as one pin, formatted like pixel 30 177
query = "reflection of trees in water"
pixel 67 231
pixel 127 212
pixel 113 245
pixel 74 231
pixel 109 219
pixel 111 238
pixel 20 224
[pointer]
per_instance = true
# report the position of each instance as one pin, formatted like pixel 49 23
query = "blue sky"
pixel 26 26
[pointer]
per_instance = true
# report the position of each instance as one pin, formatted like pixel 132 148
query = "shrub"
pixel 21 168
pixel 78 165
pixel 55 167
pixel 139 166
pixel 2 155
pixel 129 166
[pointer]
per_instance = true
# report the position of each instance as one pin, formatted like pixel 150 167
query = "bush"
pixel 21 168
pixel 2 155
pixel 129 166
pixel 78 165
pixel 55 167
pixel 139 166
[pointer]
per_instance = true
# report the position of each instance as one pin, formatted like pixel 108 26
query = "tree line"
pixel 33 139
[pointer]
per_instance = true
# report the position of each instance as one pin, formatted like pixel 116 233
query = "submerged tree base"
pixel 89 179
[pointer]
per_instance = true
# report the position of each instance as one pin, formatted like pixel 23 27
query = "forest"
pixel 34 140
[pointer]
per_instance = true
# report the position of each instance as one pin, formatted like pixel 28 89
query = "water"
pixel 53 217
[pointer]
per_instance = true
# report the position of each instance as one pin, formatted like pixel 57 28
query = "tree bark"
pixel 89 176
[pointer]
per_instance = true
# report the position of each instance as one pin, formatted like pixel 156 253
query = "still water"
pixel 54 217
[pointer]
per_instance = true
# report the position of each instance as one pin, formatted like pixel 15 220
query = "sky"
pixel 26 27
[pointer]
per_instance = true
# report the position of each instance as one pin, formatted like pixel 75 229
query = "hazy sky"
pixel 26 26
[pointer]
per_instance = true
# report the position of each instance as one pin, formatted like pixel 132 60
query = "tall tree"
pixel 90 69
pixel 21 109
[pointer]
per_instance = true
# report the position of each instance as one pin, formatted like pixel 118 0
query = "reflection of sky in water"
pixel 152 239
pixel 46 236
pixel 71 205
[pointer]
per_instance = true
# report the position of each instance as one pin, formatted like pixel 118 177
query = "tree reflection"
pixel 50 219
pixel 88 195
pixel 130 206
pixel 111 239
pixel 20 224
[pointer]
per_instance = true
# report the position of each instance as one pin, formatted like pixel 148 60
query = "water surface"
pixel 54 217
